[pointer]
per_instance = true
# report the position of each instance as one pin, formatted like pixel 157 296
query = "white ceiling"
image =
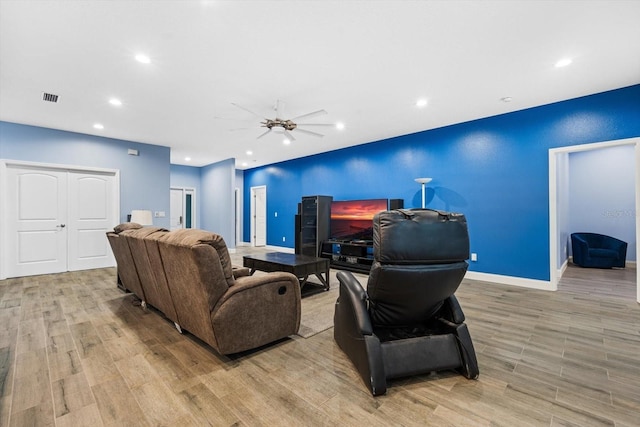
pixel 364 62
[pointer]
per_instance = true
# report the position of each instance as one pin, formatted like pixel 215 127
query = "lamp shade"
pixel 423 180
pixel 142 217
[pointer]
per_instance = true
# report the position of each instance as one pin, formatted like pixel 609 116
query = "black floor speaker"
pixel 396 204
pixel 298 231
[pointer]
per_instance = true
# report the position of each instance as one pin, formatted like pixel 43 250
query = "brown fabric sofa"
pixel 188 276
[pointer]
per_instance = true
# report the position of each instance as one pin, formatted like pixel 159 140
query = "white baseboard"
pixel 510 280
pixel 562 269
pixel 280 249
pixel 268 247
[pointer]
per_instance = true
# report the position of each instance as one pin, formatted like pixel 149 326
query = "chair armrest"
pixel 240 272
pixel 254 283
pixel 353 294
pixel 454 310
pixel 580 249
pixel 255 311
pixel 613 243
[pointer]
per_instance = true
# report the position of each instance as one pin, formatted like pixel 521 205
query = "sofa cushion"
pixel 603 253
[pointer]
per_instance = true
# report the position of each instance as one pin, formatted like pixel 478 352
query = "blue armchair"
pixel 598 251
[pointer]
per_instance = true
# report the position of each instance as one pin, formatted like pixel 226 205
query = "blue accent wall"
pixel 494 170
pixel 144 179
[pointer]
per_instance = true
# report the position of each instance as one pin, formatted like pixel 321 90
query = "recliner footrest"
pixel 420 355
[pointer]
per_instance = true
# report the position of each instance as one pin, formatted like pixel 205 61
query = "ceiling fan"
pixel 287 125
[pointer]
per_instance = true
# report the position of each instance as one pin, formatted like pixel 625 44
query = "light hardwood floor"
pixel 75 350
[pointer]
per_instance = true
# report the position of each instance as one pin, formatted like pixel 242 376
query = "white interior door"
pixel 91 214
pixel 54 219
pixel 36 215
pixel 177 209
pixel 259 215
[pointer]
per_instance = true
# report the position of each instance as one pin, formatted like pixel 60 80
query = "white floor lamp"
pixel 423 182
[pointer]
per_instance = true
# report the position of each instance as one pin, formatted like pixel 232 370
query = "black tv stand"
pixel 353 255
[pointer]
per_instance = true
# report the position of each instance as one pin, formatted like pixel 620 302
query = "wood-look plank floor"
pixel 76 351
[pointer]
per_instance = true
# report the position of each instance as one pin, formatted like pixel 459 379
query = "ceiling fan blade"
pixel 279 109
pixel 248 111
pixel 288 135
pixel 312 114
pixel 317 124
pixel 309 132
pixel 225 118
pixel 261 135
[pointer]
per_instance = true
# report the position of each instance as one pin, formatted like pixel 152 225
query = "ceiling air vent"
pixel 49 97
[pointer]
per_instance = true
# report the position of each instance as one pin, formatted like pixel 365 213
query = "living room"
pixel 495 167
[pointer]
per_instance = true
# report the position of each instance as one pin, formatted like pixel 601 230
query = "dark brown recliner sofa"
pixel 225 307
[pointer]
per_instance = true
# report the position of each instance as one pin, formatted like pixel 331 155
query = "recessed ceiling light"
pixel 187 159
pixel 142 58
pixel 506 99
pixel 339 125
pixel 420 103
pixel 244 163
pixel 286 141
pixel 98 126
pixel 249 152
pixel 563 62
pixel 115 101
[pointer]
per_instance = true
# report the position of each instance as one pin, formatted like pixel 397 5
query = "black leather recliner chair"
pixel 408 321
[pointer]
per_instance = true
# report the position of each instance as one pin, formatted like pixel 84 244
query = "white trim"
pixel 637 153
pixel 563 267
pixel 280 249
pixel 553 209
pixel 238 214
pixel 4 163
pixel 252 193
pixel 509 280
pixel 194 203
pixel 69 168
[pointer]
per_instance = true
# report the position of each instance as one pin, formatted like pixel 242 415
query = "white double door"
pixel 56 220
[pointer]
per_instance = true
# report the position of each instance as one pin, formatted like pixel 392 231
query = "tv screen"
pixel 353 219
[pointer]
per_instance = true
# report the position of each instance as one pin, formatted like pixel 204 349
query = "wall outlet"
pixel 159 214
pixel 474 256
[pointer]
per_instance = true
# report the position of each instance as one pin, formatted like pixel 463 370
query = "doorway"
pixel 558 159
pixel 183 212
pixel 259 216
pixel 54 218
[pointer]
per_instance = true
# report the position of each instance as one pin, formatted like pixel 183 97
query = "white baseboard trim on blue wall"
pixel 510 280
pixel 280 249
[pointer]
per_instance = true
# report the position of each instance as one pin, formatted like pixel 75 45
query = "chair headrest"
pixel 420 236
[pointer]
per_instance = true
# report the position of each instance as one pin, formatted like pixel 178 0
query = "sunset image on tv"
pixel 352 219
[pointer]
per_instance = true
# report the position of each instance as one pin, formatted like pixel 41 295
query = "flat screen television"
pixel 353 219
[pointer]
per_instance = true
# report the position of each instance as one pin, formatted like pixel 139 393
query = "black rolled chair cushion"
pixel 420 236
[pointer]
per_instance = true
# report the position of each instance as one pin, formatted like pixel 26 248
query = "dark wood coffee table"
pixel 301 266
